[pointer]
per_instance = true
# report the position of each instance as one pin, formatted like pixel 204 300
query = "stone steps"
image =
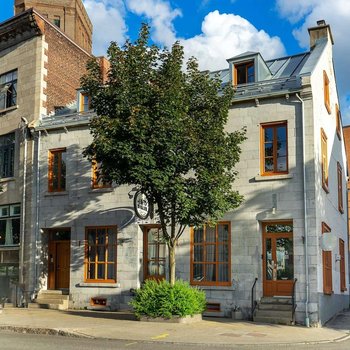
pixel 51 299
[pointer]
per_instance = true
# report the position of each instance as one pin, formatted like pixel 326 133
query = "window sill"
pixel 7 179
pixel 63 193
pixel 273 177
pixel 98 285
pixel 9 109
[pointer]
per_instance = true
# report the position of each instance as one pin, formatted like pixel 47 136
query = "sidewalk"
pixel 116 325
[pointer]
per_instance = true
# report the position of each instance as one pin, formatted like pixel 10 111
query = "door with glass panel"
pixel 278 264
pixel 154 253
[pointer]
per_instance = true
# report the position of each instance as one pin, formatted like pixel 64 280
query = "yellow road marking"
pixel 161 336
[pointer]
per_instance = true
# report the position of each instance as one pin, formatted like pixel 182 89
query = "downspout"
pixel 307 320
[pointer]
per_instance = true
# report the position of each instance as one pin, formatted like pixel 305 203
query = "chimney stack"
pixel 322 30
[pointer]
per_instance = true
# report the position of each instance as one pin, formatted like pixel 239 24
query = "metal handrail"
pixel 254 302
pixel 294 305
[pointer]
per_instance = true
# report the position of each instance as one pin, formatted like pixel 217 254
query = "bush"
pixel 160 299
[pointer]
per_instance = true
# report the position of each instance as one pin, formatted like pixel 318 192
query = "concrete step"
pixel 48 306
pixel 52 297
pixel 49 291
pixel 276 320
pixel 276 300
pixel 278 307
pixel 50 301
pixel 274 313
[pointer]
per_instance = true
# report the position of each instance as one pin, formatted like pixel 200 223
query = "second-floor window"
pixel 327 102
pixel 8 89
pixel 7 155
pixel 340 187
pixel 274 148
pixel 57 170
pixel 324 160
pixel 98 180
pixel 338 121
pixel 244 73
pixel 10 224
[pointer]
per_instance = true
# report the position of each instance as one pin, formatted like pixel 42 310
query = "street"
pixel 17 341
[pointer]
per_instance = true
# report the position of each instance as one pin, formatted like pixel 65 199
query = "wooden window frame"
pixel 158 277
pixel 324 161
pixel 246 65
pixel 97 180
pixel 338 121
pixel 327 266
pixel 82 105
pixel 340 187
pixel 326 92
pixel 96 261
pixel 216 263
pixel 262 148
pixel 342 266
pixel 52 152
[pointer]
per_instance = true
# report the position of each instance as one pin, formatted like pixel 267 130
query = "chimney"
pixel 104 66
pixel 322 30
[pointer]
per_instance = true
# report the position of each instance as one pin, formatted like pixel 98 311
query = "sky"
pixel 215 30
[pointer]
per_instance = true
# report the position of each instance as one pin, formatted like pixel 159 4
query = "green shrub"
pixel 160 299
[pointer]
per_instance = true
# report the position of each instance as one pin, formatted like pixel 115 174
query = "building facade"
pixel 289 238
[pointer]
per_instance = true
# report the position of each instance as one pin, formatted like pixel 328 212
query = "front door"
pixel 278 265
pixel 59 259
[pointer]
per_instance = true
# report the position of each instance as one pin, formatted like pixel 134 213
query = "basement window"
pixel 213 307
pixel 98 301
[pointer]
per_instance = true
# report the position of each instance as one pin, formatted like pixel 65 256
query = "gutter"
pixel 307 319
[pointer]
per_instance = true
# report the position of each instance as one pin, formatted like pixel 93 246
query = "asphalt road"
pixel 17 341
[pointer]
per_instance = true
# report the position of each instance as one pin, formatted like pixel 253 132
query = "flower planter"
pixel 237 315
pixel 174 319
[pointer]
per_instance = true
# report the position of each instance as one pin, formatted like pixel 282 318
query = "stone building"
pixel 40 69
pixel 285 248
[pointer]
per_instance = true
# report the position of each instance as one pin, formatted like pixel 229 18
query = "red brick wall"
pixel 66 64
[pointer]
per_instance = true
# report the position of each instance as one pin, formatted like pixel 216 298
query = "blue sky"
pixel 214 30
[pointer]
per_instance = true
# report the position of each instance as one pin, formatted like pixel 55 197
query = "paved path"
pixel 115 325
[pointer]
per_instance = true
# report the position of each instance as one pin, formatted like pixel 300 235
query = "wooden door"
pixel 278 264
pixel 62 264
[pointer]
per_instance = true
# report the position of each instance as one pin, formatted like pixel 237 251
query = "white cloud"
pixel 107 17
pixel 226 35
pixel 337 14
pixel 161 15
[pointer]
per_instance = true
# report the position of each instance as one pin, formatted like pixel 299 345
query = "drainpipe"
pixel 307 320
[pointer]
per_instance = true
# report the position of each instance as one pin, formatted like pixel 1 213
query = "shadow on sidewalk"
pixel 112 315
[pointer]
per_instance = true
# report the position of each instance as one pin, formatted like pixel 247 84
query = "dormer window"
pixel 244 73
pixel 84 102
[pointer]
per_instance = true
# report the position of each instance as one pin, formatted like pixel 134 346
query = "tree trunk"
pixel 172 263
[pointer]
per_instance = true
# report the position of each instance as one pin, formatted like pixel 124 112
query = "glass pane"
pixel 63 171
pixel 92 254
pixel 268 149
pixel 112 237
pixel 198 253
pixel 223 253
pixel 101 253
pixel 152 235
pixel 250 73
pixel 281 149
pixel 91 271
pixel 101 271
pixel 101 236
pixel 111 253
pixel 198 272
pixel 162 250
pixel 210 272
pixel 210 234
pixel 223 273
pixel 210 253
pixel 152 268
pixel 281 133
pixel 241 74
pixel 161 268
pixel 152 251
pixel 268 164
pixel 279 228
pixel 269 262
pixel 91 236
pixel 281 164
pixel 268 132
pixel 15 230
pixel 198 235
pixel 284 256
pixel 110 272
pixel 223 233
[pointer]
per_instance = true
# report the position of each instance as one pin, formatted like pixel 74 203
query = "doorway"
pixel 59 259
pixel 278 258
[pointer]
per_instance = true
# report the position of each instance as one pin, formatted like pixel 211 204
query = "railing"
pixel 294 305
pixel 254 302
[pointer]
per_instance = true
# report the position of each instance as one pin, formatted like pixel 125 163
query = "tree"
pixel 162 129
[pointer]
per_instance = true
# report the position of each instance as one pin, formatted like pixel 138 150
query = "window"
pixel 101 254
pixel 326 92
pixel 10 224
pixel 7 155
pixel 84 102
pixel 338 121
pixel 57 21
pixel 211 255
pixel 340 187
pixel 342 266
pixel 274 149
pixel 327 265
pixel 8 89
pixel 324 160
pixel 244 73
pixel 154 252
pixel 98 180
pixel 57 170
